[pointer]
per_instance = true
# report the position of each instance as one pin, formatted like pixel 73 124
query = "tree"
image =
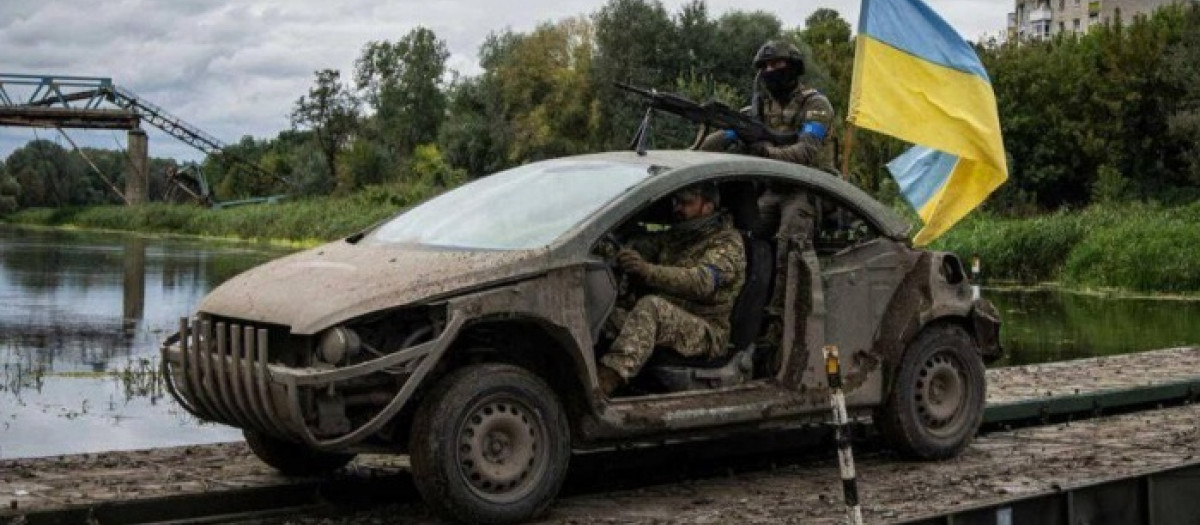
pixel 741 33
pixel 9 191
pixel 545 84
pixel 831 54
pixel 476 134
pixel 404 82
pixel 635 43
pixel 696 37
pixel 1181 71
pixel 331 111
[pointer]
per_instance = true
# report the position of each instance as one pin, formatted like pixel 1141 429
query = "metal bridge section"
pixel 1165 496
pixel 60 102
pixel 49 101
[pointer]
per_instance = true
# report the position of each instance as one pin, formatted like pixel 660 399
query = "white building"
pixel 1044 18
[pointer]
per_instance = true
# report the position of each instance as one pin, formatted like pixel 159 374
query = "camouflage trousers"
pixel 787 217
pixel 652 322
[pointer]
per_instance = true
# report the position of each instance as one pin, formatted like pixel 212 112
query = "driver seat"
pixel 674 372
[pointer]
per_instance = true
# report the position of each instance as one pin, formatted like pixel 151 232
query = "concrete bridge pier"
pixel 137 179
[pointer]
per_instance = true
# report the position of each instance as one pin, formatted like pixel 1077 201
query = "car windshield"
pixel 521 208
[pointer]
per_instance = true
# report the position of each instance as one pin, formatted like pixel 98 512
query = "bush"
pixel 1137 247
pixel 1148 252
pixel 1027 250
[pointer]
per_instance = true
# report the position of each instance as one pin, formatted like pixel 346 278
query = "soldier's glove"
pixel 761 148
pixel 631 262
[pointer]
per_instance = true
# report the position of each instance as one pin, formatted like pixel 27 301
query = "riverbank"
pixel 303 222
pixel 1136 248
pixel 1126 249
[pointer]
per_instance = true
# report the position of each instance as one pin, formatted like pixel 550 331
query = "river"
pixel 82 315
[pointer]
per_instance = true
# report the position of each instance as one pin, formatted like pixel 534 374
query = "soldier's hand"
pixel 632 262
pixel 761 148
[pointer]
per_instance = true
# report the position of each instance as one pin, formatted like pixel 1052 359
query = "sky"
pixel 236 67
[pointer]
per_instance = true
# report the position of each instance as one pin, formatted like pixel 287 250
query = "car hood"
pixel 312 290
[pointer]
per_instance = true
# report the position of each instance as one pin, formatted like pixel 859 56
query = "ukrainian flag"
pixel 917 80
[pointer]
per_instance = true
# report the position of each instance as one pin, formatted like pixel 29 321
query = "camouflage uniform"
pixel 788 213
pixel 694 278
pixel 807 113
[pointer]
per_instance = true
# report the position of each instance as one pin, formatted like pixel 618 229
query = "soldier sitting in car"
pixel 691 275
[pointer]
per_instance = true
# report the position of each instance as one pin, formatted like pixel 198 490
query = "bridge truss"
pixel 56 101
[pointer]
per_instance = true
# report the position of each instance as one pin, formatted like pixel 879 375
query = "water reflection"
pixel 1048 325
pixel 81 316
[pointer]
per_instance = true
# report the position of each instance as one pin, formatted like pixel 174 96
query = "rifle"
pixel 711 115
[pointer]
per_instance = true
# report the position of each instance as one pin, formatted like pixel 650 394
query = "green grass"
pixel 303 221
pixel 1134 247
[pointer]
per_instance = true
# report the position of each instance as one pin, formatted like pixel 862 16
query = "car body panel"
pixel 318 288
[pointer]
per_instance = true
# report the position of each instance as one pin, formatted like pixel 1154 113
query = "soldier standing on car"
pixel 788 106
pixel 693 273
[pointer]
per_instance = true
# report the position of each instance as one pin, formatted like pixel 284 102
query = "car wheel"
pixel 293 459
pixel 938 396
pixel 490 444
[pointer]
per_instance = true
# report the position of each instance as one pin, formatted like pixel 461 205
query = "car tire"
pixel 490 444
pixel 293 459
pixel 938 396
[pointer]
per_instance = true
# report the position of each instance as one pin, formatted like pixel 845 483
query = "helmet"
pixel 779 49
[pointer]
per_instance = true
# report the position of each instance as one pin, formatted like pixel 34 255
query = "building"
pixel 1045 18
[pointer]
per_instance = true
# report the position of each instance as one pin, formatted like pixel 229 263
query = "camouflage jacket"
pixel 808 113
pixel 701 271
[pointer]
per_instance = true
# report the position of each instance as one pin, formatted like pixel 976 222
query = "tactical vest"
pixel 805 104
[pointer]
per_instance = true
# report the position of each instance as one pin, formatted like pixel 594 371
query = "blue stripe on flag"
pixel 911 26
pixel 921 172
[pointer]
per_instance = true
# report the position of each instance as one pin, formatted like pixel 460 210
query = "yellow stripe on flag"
pixel 969 184
pixel 898 94
pixel 915 100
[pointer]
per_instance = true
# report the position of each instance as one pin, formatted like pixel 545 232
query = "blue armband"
pixel 730 134
pixel 813 128
pixel 716 276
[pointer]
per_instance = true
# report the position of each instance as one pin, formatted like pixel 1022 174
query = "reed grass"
pixel 1135 247
pixel 299 221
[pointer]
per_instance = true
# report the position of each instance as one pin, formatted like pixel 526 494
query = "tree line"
pixel 1112 115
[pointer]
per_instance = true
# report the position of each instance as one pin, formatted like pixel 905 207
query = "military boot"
pixel 609 380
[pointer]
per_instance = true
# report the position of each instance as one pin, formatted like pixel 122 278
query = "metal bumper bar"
pixel 222 372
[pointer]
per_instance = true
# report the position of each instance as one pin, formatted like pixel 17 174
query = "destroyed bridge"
pixel 58 102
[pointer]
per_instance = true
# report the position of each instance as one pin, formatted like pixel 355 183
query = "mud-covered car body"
pixel 252 356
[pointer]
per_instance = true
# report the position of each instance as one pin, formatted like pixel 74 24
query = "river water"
pixel 82 314
pixel 81 317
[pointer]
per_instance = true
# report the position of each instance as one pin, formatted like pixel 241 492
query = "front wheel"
pixel 293 459
pixel 490 444
pixel 938 396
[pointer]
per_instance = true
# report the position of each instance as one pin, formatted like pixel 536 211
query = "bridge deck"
pixel 998 465
pixel 57 117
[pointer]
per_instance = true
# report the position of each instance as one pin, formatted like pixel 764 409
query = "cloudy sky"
pixel 235 68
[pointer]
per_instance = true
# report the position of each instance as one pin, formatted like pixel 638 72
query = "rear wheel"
pixel 293 459
pixel 490 444
pixel 938 395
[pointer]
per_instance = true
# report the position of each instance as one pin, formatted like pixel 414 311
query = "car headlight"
pixel 338 343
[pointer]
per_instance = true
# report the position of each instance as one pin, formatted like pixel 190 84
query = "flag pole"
pixel 849 147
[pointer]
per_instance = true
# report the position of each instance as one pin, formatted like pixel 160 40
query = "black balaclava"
pixel 781 82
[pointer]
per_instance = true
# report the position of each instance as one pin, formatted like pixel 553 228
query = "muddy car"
pixel 466 332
